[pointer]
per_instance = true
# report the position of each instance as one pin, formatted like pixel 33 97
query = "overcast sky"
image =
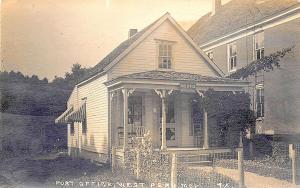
pixel 45 37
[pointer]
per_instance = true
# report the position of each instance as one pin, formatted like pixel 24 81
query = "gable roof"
pixel 125 47
pixel 235 15
pixel 120 49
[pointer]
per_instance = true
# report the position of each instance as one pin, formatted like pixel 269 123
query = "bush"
pixel 262 145
pixel 154 165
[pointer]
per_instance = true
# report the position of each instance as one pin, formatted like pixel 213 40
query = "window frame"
pixel 134 103
pixel 255 42
pixel 159 56
pixel 260 101
pixel 230 56
pixel 84 127
pixel 84 122
pixel 72 129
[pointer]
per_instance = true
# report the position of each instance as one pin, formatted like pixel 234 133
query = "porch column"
pixel 163 121
pixel 163 95
pixel 125 117
pixel 205 123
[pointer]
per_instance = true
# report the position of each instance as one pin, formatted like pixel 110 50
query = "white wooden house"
pixel 146 83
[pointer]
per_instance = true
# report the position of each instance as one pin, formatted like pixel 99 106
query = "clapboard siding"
pixel 145 57
pixel 72 101
pixel 96 138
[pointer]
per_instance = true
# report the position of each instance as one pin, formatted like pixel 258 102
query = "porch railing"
pixel 133 131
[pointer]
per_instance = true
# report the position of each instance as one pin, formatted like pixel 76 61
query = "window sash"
pixel 135 110
pixel 232 50
pixel 259 45
pixel 84 127
pixel 259 53
pixel 165 56
pixel 260 102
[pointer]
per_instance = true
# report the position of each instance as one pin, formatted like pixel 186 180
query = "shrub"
pixel 262 145
pixel 154 165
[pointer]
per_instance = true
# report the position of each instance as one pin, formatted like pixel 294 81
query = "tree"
pixel 266 63
pixel 45 81
pixel 232 112
pixel 34 79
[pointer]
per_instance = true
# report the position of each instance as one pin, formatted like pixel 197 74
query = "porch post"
pixel 163 121
pixel 125 119
pixel 205 123
pixel 163 95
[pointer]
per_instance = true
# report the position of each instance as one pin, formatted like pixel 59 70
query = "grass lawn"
pixel 57 171
pixel 268 167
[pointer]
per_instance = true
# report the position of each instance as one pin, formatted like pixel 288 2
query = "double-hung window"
pixel 260 110
pixel 232 56
pixel 259 48
pixel 165 55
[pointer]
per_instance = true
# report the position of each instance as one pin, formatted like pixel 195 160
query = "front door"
pixel 171 124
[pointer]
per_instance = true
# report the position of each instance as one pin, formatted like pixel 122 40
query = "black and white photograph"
pixel 150 94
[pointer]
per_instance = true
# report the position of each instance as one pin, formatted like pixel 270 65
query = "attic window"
pixel 165 55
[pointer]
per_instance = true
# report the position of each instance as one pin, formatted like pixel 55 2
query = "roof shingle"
pixel 235 15
pixel 176 76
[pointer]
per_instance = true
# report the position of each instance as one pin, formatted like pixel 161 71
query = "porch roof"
pixel 176 76
pixel 157 77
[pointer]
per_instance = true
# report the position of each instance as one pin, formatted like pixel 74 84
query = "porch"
pixel 166 105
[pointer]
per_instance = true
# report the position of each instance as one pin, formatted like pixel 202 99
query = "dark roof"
pixel 235 15
pixel 119 50
pixel 176 76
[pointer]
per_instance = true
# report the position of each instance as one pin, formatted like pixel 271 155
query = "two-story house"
pixel 147 83
pixel 237 33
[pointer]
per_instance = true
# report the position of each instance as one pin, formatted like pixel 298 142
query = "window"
pixel 84 123
pixel 197 118
pixel 84 126
pixel 165 55
pixel 210 54
pixel 232 57
pixel 135 110
pixel 260 110
pixel 259 48
pixel 72 129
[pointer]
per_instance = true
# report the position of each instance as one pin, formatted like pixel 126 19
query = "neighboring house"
pixel 239 32
pixel 145 84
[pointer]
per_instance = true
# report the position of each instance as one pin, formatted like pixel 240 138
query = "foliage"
pixel 18 77
pixel 232 112
pixel 154 165
pixel 266 63
pixel 262 145
pixel 78 74
pixel 33 96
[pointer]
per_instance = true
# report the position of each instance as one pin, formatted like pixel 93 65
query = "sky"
pixel 45 37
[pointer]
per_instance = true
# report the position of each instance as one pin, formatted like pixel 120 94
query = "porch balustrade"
pixel 133 131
